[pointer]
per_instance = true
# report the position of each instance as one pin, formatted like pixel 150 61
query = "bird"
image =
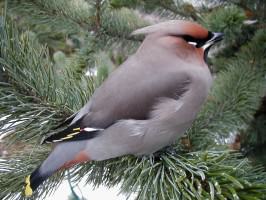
pixel 144 105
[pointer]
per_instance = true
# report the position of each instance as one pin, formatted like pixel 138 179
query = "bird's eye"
pixel 193 41
pixel 197 42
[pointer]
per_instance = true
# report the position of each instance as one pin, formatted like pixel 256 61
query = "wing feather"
pixel 73 133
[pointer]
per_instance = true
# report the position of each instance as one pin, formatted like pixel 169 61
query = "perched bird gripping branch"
pixel 143 106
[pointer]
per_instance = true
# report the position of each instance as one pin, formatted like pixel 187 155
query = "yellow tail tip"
pixel 28 190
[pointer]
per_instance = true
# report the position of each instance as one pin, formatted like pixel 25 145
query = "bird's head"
pixel 191 32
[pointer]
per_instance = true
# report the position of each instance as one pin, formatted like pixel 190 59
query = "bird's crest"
pixel 175 28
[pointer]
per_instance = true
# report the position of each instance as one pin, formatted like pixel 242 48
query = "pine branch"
pixel 120 23
pixel 71 18
pixel 228 20
pixel 180 8
pixel 109 27
pixel 199 175
pixel 174 8
pixel 33 89
pixel 253 9
pixel 97 25
pixel 68 16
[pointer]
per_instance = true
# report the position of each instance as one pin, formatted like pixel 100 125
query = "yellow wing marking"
pixel 68 135
pixel 75 133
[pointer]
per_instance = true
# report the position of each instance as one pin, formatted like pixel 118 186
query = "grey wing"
pixel 131 93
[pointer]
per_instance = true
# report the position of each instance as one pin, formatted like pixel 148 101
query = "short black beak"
pixel 213 38
pixel 217 37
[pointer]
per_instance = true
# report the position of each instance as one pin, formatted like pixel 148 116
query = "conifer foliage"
pixel 54 53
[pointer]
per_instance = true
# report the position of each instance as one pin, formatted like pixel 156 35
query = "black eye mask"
pixel 199 42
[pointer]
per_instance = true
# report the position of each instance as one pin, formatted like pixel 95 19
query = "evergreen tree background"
pixel 54 53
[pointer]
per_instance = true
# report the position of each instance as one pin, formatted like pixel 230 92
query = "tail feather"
pixel 33 181
pixel 62 155
pixel 28 189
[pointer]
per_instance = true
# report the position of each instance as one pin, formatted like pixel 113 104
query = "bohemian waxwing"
pixel 143 106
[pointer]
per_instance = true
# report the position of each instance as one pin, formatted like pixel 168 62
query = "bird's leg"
pixel 170 150
pixel 166 150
